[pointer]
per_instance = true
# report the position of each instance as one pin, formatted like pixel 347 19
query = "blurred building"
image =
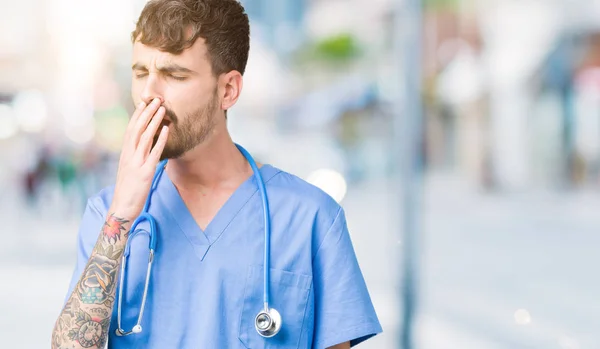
pixel 280 23
pixel 499 113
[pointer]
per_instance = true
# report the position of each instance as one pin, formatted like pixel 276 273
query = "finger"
pixel 138 110
pixel 132 121
pixel 156 152
pixel 148 136
pixel 144 118
pixel 142 121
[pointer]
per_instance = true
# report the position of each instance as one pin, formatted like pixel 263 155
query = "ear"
pixel 230 87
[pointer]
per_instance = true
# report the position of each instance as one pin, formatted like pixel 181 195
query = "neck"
pixel 215 163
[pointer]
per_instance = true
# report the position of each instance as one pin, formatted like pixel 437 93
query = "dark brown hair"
pixel 174 25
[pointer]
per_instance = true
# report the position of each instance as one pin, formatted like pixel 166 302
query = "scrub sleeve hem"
pixel 354 335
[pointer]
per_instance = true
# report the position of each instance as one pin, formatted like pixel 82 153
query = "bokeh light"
pixel 522 317
pixel 31 111
pixel 8 123
pixel 330 181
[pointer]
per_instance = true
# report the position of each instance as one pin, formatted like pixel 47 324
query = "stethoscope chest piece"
pixel 121 333
pixel 268 323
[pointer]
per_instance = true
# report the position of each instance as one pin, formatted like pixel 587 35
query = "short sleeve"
pixel 343 308
pixel 89 230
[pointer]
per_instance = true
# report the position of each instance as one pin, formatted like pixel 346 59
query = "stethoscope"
pixel 267 322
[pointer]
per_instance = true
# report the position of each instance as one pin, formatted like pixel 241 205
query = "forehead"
pixel 194 57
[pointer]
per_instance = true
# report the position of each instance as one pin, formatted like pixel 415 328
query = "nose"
pixel 152 90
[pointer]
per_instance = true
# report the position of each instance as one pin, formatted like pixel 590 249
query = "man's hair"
pixel 174 25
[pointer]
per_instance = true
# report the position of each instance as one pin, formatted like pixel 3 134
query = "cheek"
pixel 136 91
pixel 185 101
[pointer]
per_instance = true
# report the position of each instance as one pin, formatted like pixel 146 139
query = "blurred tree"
pixel 331 51
pixel 340 47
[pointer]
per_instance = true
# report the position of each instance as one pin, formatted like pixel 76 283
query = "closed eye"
pixel 179 78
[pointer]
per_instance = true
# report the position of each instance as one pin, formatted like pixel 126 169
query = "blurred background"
pixel 503 202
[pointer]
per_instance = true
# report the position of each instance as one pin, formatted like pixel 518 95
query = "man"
pixel 206 282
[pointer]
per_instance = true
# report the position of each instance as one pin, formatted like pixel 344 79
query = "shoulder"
pixel 93 219
pixel 101 200
pixel 298 191
pixel 303 204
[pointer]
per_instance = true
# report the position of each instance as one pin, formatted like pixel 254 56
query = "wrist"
pixel 126 214
pixel 117 225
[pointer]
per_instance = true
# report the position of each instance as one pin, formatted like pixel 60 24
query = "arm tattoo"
pixel 88 328
pixel 113 227
pixel 85 319
pixel 98 281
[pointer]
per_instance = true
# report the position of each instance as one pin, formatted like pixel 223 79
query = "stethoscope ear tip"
pixel 137 329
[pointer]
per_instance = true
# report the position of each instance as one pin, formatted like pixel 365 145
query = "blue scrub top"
pixel 206 286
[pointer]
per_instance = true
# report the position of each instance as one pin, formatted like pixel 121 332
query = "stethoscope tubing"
pixel 274 318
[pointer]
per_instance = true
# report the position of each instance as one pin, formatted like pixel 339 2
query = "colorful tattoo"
pixel 113 227
pixel 89 331
pixel 98 281
pixel 80 325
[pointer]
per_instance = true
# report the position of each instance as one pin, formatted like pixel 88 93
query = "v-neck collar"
pixel 202 240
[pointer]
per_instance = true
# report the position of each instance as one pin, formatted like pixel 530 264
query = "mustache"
pixel 170 114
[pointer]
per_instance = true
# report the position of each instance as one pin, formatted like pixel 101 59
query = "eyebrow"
pixel 168 68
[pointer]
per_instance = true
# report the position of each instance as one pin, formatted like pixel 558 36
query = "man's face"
pixel 186 85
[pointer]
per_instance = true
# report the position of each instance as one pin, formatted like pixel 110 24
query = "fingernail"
pixel 141 105
pixel 156 100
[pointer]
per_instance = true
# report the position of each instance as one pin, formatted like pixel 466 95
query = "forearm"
pixel 85 319
pixel 345 345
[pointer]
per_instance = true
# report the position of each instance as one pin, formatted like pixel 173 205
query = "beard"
pixel 186 133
